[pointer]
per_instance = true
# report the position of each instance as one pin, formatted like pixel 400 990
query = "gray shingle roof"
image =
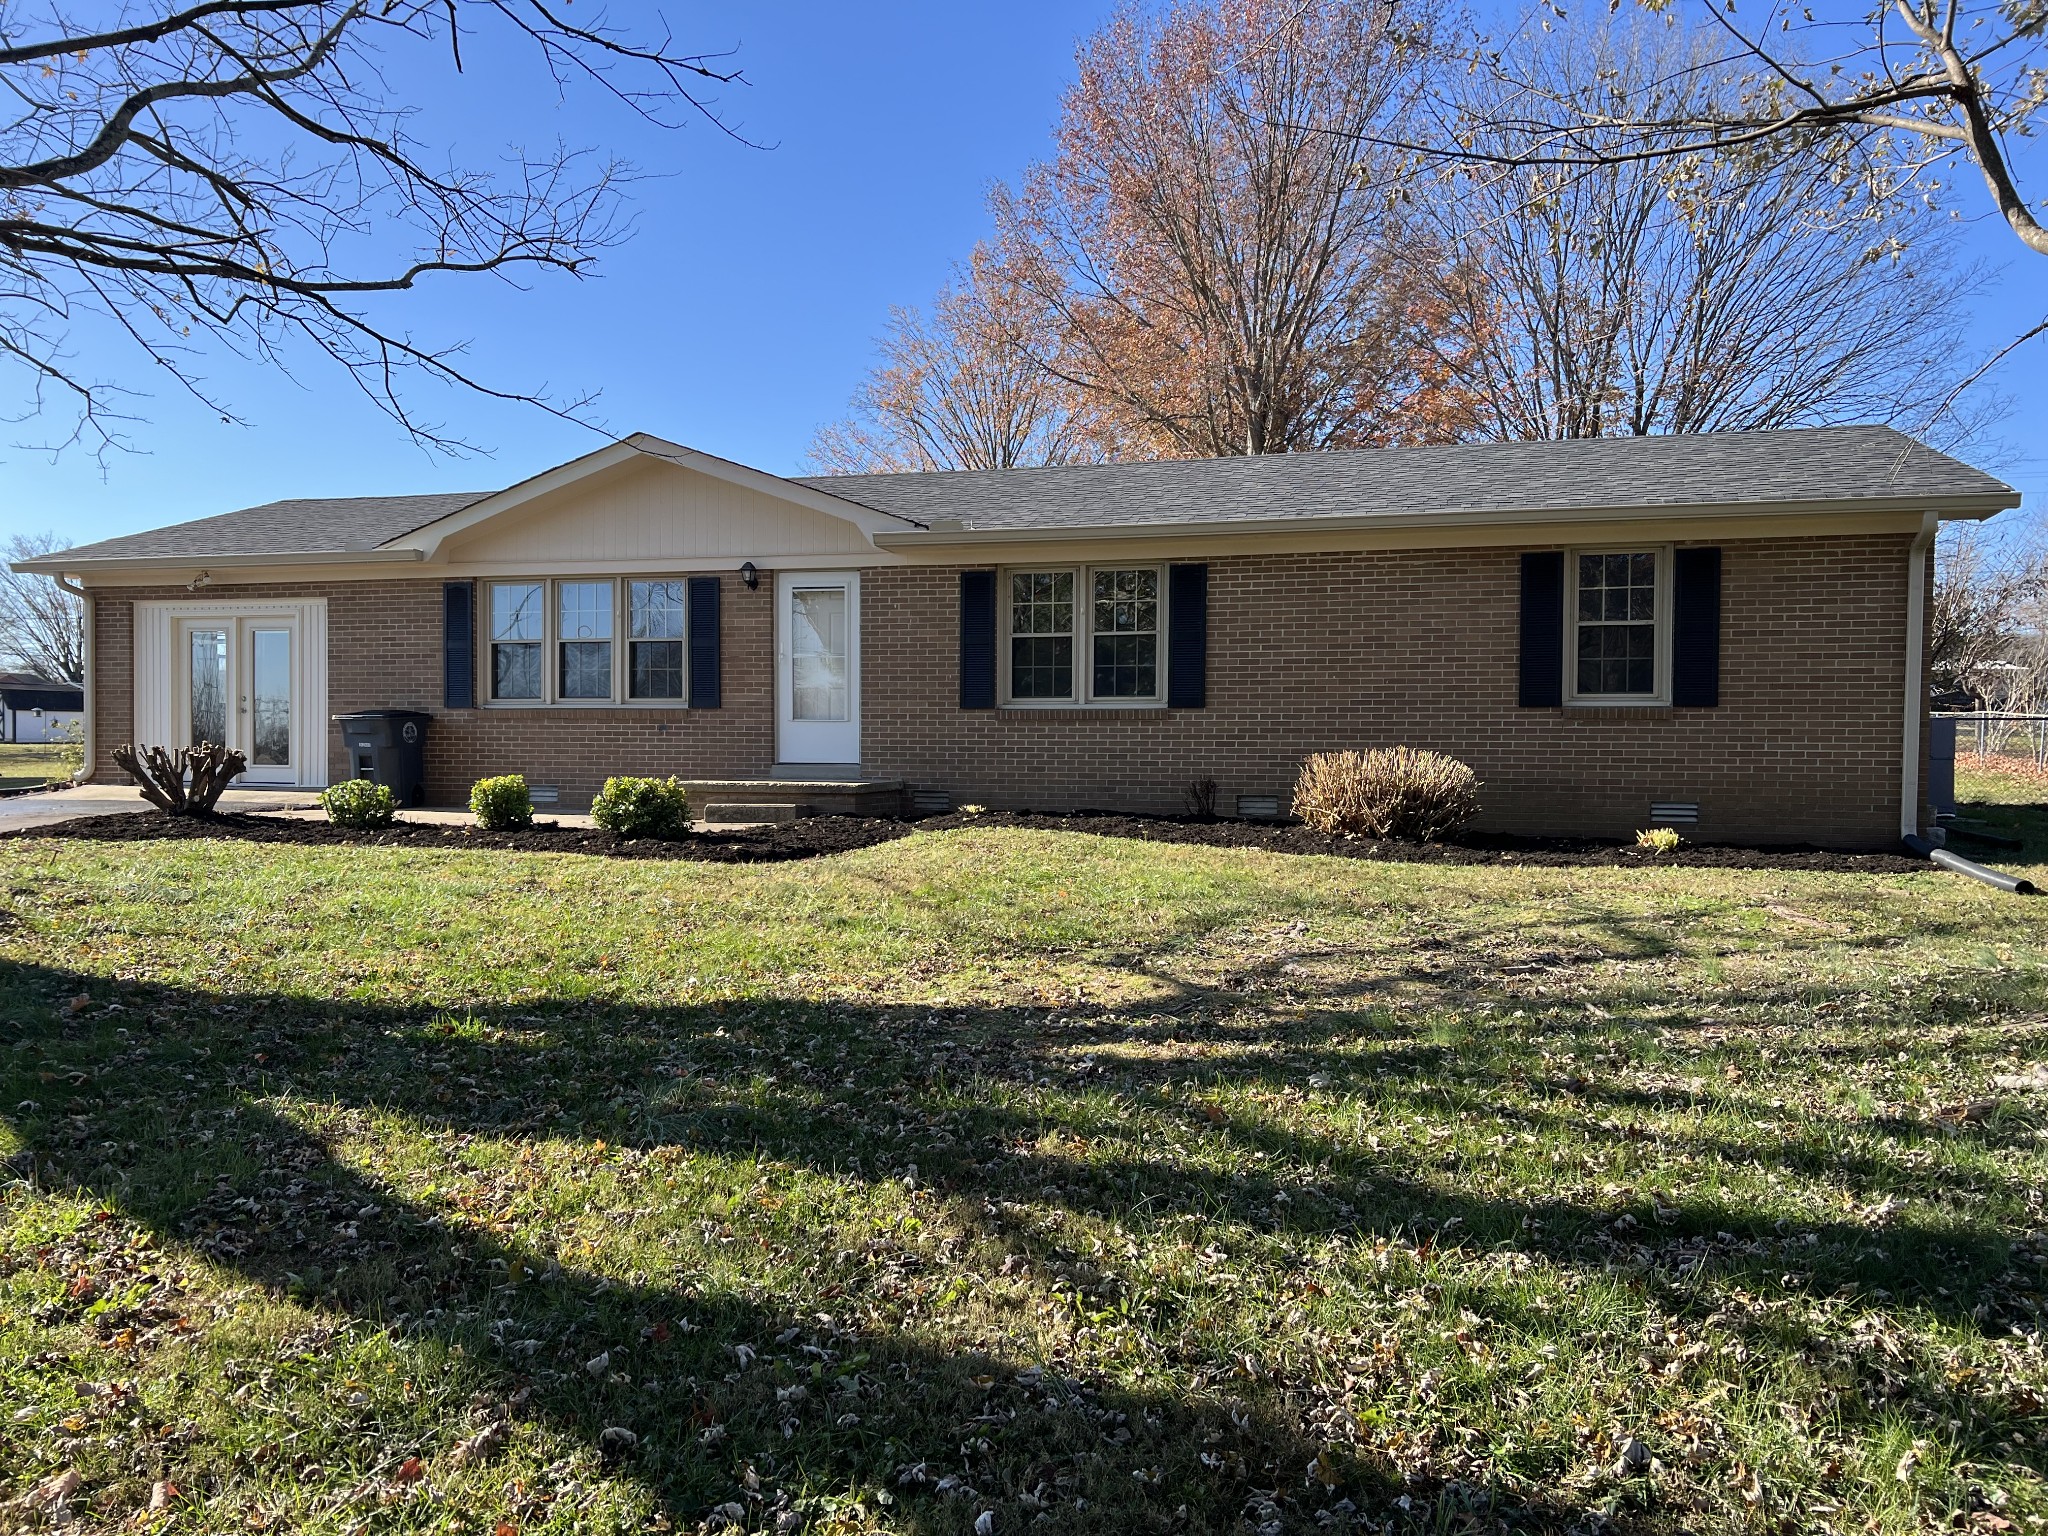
pixel 301 527
pixel 1818 464
pixel 1728 469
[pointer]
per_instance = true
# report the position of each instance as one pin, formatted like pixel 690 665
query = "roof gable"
pixel 641 512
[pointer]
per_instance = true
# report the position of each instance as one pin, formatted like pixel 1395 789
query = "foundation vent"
pixel 930 802
pixel 1258 807
pixel 1675 813
pixel 544 794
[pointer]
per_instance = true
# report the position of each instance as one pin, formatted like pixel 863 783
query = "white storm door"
pixel 817 667
pixel 269 665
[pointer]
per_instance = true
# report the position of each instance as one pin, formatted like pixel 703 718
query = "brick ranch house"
pixel 1727 631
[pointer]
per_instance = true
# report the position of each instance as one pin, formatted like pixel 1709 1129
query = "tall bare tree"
pixel 42 625
pixel 1226 276
pixel 243 172
pixel 1691 295
pixel 1900 100
pixel 1890 98
pixel 1990 603
pixel 963 388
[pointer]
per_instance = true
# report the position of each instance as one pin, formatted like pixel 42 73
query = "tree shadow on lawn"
pixel 161 1101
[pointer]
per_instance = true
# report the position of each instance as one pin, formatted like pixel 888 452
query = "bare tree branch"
pixel 1889 114
pixel 964 389
pixel 240 173
pixel 1692 295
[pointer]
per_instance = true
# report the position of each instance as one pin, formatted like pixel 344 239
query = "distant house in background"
pixel 36 709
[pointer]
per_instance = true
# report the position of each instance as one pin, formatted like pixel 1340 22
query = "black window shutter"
pixel 1696 628
pixel 977 639
pixel 702 603
pixel 1187 636
pixel 1542 684
pixel 458 645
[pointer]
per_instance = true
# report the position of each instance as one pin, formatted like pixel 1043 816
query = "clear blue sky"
pixel 742 313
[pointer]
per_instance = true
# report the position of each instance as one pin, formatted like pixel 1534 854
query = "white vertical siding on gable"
pixel 653 512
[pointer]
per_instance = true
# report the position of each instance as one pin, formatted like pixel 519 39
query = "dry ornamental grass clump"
pixel 1386 792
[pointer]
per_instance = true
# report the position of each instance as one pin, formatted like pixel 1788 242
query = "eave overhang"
pixel 62 565
pixel 1947 508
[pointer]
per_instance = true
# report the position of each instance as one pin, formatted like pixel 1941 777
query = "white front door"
pixel 236 686
pixel 817 667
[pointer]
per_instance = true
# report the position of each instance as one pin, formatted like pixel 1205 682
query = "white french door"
pixel 237 685
pixel 817 667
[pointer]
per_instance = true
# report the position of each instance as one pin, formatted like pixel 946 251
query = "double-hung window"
pixel 559 643
pixel 583 639
pixel 1087 634
pixel 518 632
pixel 1619 605
pixel 654 660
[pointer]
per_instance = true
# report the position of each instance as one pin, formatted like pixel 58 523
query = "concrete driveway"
pixel 18 813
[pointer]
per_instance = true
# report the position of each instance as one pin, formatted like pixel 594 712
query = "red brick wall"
pixel 384 652
pixel 1306 652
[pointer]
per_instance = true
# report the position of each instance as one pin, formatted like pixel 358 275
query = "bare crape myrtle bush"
pixel 1386 792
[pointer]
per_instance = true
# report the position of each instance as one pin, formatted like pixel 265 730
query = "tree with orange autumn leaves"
pixel 1234 248
pixel 1203 266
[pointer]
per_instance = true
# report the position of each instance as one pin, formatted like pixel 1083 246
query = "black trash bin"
pixel 388 747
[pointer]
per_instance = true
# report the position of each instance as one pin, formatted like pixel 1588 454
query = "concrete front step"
pixel 710 798
pixel 729 812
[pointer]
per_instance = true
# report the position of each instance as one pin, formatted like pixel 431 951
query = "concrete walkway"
pixel 542 816
pixel 19 813
pixel 46 807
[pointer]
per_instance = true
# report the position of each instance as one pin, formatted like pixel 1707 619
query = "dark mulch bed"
pixel 742 845
pixel 1558 852
pixel 815 835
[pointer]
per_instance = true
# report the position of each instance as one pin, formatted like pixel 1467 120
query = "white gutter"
pixel 942 536
pixel 63 563
pixel 85 767
pixel 1916 685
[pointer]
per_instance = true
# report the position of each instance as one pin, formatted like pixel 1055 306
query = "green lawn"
pixel 32 763
pixel 1084 1184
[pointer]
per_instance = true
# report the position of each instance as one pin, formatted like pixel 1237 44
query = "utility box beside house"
pixel 1941 764
pixel 388 747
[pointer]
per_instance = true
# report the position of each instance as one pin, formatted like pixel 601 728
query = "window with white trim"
pixel 583 640
pixel 559 642
pixel 654 647
pixel 1619 606
pixel 1124 632
pixel 518 631
pixel 1083 634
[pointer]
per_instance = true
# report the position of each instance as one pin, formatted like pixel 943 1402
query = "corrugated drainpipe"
pixel 1916 687
pixel 85 657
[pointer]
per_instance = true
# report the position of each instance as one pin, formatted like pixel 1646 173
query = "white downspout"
pixel 1916 686
pixel 85 768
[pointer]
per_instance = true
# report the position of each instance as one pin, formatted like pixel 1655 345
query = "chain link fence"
pixel 2000 734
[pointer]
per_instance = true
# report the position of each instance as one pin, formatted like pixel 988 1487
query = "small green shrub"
pixel 359 803
pixel 1659 839
pixel 642 808
pixel 501 804
pixel 1397 792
